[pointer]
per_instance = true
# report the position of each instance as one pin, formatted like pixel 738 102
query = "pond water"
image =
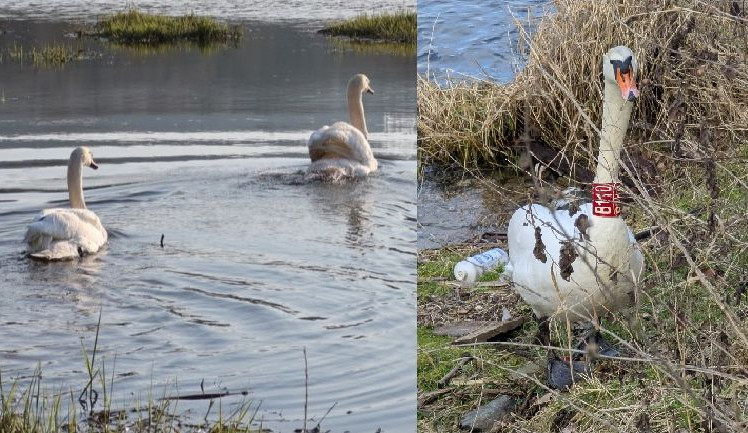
pixel 472 39
pixel 258 10
pixel 206 148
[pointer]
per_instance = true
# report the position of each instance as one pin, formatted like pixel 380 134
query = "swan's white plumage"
pixel 342 149
pixel 57 234
pixel 608 261
pixel 66 233
pixel 590 289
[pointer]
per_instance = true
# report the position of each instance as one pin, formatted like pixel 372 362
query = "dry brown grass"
pixel 692 57
pixel 686 171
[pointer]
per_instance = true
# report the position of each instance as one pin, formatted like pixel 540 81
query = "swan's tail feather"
pixel 58 251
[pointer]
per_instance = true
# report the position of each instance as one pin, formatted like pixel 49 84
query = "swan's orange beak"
pixel 369 90
pixel 626 84
pixel 94 165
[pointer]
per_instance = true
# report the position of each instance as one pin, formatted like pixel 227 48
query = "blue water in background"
pixel 463 40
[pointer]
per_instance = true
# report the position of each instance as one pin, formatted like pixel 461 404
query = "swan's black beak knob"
pixel 368 90
pixel 94 166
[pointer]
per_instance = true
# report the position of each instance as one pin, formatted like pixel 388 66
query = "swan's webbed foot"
pixel 593 344
pixel 562 374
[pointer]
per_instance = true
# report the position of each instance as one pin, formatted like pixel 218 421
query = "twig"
pixel 306 388
pixel 444 381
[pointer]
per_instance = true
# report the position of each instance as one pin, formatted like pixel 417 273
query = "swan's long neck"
pixel 609 234
pixel 356 110
pixel 75 184
pixel 616 115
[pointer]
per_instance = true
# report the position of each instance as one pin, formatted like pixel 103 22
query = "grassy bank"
pixel 134 27
pixel 397 27
pixel 683 365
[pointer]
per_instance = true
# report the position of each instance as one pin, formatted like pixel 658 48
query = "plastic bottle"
pixel 473 267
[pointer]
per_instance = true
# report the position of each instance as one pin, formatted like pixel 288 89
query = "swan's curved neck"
pixel 616 115
pixel 75 184
pixel 356 110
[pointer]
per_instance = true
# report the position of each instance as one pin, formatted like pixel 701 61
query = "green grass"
pixel 388 27
pixel 134 27
pixel 55 54
pixel 435 358
pixel 377 48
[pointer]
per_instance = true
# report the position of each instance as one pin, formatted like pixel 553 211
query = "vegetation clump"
pixel 134 27
pixel 397 27
pixel 47 55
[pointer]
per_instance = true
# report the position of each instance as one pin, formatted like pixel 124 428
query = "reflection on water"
pixel 472 39
pixel 209 151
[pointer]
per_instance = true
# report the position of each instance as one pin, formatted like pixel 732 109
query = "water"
pixel 257 10
pixel 206 148
pixel 453 211
pixel 477 39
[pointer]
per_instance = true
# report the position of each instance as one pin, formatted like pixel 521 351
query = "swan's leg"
pixel 543 336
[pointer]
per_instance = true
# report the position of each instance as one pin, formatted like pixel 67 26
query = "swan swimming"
pixel 585 264
pixel 342 150
pixel 62 233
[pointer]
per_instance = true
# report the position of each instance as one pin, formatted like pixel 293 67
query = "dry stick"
pixel 444 381
pixel 325 415
pixel 428 56
pixel 306 388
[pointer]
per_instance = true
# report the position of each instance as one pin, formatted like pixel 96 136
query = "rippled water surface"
pixel 472 39
pixel 206 148
pixel 264 10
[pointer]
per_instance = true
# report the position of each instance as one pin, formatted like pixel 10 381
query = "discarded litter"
pixel 473 267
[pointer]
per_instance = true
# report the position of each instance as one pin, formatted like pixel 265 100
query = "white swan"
pixel 61 233
pixel 342 150
pixel 584 264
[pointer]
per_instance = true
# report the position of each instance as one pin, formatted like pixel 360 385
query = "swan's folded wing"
pixel 79 226
pixel 340 140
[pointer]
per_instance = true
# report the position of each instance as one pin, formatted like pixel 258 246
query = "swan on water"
pixel 67 233
pixel 342 150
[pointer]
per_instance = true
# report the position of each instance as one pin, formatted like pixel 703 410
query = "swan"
pixel 581 265
pixel 342 150
pixel 61 233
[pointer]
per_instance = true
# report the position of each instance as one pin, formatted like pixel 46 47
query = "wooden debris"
pixel 491 330
pixel 444 381
pixel 429 397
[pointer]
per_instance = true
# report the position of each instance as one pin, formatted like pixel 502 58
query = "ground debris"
pixel 484 418
pixel 491 331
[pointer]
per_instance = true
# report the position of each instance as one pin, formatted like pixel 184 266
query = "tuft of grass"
pixel 387 27
pixel 30 409
pixel 48 55
pixel 134 27
pixel 373 48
